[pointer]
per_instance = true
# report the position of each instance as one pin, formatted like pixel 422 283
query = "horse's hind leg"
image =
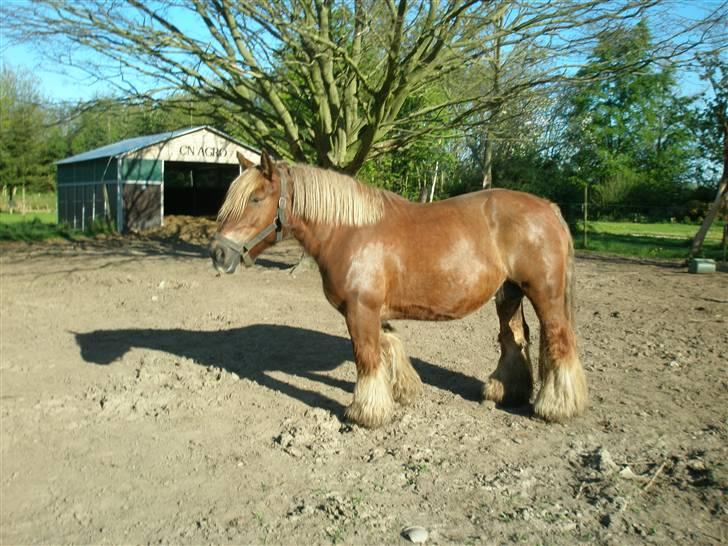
pixel 563 391
pixel 512 381
pixel 406 384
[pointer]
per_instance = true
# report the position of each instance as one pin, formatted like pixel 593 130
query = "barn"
pixel 135 182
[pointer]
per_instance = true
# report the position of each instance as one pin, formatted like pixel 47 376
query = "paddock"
pixel 146 399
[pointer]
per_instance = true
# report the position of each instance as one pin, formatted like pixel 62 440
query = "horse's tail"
pixel 569 303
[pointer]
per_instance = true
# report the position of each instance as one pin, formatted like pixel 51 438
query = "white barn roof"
pixel 138 144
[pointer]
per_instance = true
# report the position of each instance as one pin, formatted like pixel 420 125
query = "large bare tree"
pixel 323 81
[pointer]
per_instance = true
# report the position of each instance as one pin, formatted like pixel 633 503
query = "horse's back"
pixel 512 234
pixel 444 259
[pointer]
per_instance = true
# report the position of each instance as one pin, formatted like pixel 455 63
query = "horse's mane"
pixel 319 196
pixel 238 195
pixel 328 197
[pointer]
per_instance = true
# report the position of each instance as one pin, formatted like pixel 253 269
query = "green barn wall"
pixel 96 170
pixel 142 170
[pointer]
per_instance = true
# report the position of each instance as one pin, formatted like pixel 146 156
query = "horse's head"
pixel 252 217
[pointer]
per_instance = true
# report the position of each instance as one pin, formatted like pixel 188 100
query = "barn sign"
pixel 135 182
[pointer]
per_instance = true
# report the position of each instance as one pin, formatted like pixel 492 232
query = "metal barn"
pixel 135 182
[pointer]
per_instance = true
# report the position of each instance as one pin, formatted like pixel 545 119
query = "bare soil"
pixel 145 399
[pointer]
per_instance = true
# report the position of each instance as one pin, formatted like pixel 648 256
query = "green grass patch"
pixel 33 230
pixel 662 241
pixel 676 231
pixel 45 217
pixel 42 226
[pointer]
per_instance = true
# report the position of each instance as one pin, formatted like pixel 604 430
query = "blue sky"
pixel 64 84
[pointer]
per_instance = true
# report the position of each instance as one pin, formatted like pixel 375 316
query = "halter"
pixel 279 222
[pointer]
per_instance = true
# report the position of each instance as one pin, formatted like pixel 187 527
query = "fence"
pixel 15 199
pixel 691 212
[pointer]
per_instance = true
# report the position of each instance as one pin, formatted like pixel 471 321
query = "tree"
pixel 320 81
pixel 629 135
pixel 106 119
pixel 29 141
pixel 714 133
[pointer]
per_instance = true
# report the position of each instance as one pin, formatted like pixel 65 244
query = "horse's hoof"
pixel 368 417
pixel 493 391
pixel 514 396
pixel 563 395
pixel 406 386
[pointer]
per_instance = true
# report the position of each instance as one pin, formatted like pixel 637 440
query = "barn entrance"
pixel 196 189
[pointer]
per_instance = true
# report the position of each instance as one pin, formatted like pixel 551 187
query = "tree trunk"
pixel 423 191
pixel 488 162
pixel 434 182
pixel 710 217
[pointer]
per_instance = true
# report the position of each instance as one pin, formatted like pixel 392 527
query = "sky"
pixel 63 84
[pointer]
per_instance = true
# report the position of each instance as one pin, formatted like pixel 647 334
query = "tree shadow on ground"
pixel 253 352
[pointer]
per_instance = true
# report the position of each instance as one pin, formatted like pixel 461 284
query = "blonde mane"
pixel 319 196
pixel 328 197
pixel 238 195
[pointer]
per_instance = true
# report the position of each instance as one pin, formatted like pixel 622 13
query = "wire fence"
pixel 691 212
pixel 22 202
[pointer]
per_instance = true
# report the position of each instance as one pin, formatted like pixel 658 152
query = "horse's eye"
pixel 256 199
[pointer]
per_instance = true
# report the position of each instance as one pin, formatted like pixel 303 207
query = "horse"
pixel 382 257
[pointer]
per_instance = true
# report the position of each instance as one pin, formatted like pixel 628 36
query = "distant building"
pixel 135 182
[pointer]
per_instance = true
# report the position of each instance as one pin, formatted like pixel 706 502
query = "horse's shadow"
pixel 254 351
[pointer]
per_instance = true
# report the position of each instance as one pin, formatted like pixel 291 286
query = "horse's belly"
pixel 448 284
pixel 442 297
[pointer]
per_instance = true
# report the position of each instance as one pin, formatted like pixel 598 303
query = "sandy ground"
pixel 144 399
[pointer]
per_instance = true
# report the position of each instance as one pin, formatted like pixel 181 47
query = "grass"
pixel 678 231
pixel 45 217
pixel 664 241
pixel 41 226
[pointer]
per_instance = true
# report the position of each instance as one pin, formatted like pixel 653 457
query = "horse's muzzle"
pixel 224 259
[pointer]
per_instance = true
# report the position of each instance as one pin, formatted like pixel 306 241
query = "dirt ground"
pixel 145 399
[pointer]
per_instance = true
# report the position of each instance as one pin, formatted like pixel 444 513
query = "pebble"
pixel 605 463
pixel 417 535
pixel 627 474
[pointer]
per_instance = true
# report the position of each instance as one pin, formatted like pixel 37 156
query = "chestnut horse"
pixel 382 257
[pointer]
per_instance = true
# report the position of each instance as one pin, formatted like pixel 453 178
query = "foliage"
pixel 712 116
pixel 410 171
pixel 29 141
pixel 629 136
pixel 107 120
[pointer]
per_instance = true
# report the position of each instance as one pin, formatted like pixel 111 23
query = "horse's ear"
pixel 245 163
pixel 266 165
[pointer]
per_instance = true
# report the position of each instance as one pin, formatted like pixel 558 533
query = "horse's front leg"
pixel 373 403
